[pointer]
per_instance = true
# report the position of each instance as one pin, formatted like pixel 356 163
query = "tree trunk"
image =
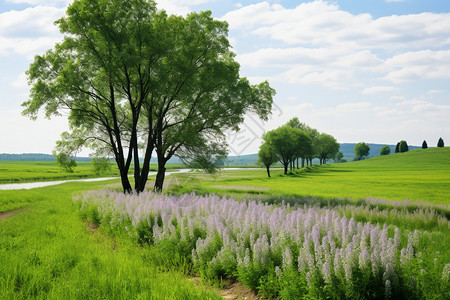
pixel 303 162
pixel 297 162
pixel 268 171
pixel 160 177
pixel 125 182
pixel 285 168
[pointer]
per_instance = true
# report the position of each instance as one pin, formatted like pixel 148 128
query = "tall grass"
pixel 47 252
pixel 287 251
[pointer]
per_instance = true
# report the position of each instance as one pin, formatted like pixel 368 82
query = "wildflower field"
pixel 288 251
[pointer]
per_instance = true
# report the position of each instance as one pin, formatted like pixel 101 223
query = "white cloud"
pixel 29 31
pixel 418 65
pixel 322 23
pixel 378 89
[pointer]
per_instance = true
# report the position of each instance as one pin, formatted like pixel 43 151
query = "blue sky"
pixel 362 70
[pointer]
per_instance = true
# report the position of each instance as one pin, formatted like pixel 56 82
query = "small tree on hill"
pixel 403 147
pixel 361 150
pixel 440 143
pixel 424 144
pixel 266 156
pixel 397 148
pixel 385 150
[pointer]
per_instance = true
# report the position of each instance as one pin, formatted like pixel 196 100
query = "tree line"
pixel 294 142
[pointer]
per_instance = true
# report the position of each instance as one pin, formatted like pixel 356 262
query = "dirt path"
pixel 232 290
pixel 7 214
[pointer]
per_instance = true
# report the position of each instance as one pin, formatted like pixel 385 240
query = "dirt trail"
pixel 232 290
pixel 7 214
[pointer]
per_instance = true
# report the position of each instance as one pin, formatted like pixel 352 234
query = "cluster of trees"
pixel 136 81
pixel 296 141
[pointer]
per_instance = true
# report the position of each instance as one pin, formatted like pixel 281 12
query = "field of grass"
pixel 306 239
pixel 48 252
pixel 29 171
pixel 422 175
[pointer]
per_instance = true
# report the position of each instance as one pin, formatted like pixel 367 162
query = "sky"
pixel 375 71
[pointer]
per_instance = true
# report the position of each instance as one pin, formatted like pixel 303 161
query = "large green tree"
pixel 361 150
pixel 134 80
pixel 440 143
pixel 325 147
pixel 403 146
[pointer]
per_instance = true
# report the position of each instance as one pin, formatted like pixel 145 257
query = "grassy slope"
pixel 47 252
pixel 418 175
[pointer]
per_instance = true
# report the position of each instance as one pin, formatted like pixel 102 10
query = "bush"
pixel 440 143
pixel 385 150
pixel 424 145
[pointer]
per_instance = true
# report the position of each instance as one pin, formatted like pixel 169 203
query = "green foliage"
pixel 287 144
pixel 361 150
pixel 325 147
pixel 126 71
pixel 440 143
pixel 339 157
pixel 385 150
pixel 397 147
pixel 403 147
pixel 66 162
pixel 101 165
pixel 424 144
pixel 266 156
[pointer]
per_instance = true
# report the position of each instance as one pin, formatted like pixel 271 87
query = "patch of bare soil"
pixel 232 290
pixel 7 214
pixel 91 227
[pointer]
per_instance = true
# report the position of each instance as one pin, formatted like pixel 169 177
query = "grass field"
pixel 47 252
pixel 109 248
pixel 29 171
pixel 422 175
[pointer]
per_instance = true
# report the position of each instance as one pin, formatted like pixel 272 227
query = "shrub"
pixel 440 143
pixel 385 150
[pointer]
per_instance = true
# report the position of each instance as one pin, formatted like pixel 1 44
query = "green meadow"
pixel 51 249
pixel 29 171
pixel 418 175
pixel 48 252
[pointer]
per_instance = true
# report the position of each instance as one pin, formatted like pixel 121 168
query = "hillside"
pixel 421 174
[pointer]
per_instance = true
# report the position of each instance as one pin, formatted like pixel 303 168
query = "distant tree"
pixel 339 156
pixel 424 145
pixel 100 165
pixel 325 147
pixel 66 162
pixel 440 143
pixel 361 150
pixel 403 147
pixel 397 148
pixel 385 150
pixel 266 156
